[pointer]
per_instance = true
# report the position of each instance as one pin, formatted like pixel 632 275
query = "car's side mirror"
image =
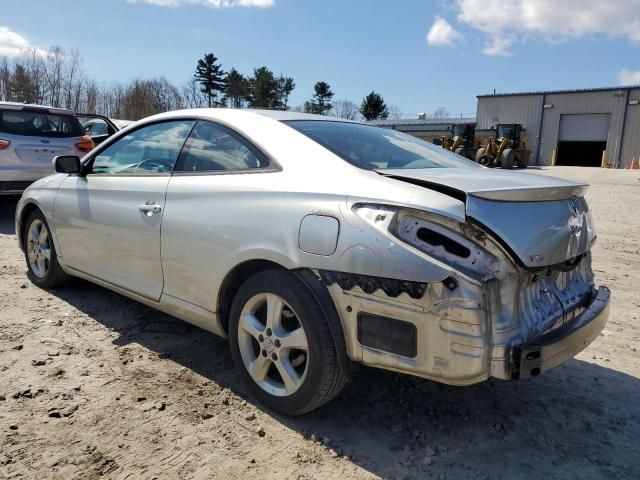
pixel 67 164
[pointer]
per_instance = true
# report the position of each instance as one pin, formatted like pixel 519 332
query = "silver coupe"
pixel 316 244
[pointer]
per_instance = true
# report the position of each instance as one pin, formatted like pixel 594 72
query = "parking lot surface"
pixel 93 385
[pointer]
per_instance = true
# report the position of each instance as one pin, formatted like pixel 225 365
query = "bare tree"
pixel 34 65
pixel 5 79
pixel 70 72
pixel 394 112
pixel 191 94
pixel 53 74
pixel 345 109
pixel 440 112
pixel 90 97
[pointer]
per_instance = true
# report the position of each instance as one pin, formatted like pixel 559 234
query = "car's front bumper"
pixel 14 187
pixel 557 346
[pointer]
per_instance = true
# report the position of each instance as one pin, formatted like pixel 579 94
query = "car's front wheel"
pixel 43 268
pixel 282 344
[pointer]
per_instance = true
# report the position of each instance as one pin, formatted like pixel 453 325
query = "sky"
pixel 418 54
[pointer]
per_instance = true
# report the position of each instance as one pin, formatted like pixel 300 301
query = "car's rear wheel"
pixel 43 268
pixel 282 345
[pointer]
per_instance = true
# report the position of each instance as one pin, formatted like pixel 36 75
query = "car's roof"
pixel 120 123
pixel 285 115
pixel 238 113
pixel 31 106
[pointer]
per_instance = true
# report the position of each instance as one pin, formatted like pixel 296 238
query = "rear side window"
pixel 374 148
pixel 39 124
pixel 212 148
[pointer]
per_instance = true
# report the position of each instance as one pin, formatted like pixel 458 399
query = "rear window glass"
pixel 39 124
pixel 374 148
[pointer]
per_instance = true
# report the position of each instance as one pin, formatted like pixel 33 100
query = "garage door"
pixel 592 127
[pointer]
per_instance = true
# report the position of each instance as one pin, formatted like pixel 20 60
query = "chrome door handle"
pixel 150 208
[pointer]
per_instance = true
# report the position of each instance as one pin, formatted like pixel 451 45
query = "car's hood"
pixel 542 220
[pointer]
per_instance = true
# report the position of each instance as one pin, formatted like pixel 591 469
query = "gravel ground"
pixel 93 385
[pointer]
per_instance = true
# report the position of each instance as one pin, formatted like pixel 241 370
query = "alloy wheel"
pixel 38 248
pixel 273 344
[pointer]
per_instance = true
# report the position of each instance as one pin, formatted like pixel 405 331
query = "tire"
pixel 508 158
pixel 486 161
pixel 523 160
pixel 480 154
pixel 43 268
pixel 259 339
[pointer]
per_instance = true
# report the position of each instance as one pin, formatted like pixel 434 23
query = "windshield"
pixel 374 148
pixel 458 130
pixel 505 131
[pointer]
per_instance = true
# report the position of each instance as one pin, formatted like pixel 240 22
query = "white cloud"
pixel 498 45
pixel 506 22
pixel 209 3
pixel 625 77
pixel 442 33
pixel 13 44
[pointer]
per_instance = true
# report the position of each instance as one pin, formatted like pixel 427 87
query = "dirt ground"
pixel 94 385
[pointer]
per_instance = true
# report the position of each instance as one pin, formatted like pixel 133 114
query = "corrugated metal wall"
pixel 523 109
pixel 611 102
pixel 631 144
pixel 526 109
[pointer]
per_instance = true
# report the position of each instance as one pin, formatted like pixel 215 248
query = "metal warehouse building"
pixel 427 129
pixel 571 127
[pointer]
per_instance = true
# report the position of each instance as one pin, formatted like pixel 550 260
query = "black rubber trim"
pixel 557 346
pixel 321 294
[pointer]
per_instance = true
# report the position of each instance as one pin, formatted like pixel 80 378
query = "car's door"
pixel 108 220
pixel 211 205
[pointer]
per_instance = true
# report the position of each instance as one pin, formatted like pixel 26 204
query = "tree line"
pixel 56 78
pixel 263 89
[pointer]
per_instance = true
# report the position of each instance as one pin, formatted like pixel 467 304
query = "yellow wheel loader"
pixel 506 149
pixel 461 140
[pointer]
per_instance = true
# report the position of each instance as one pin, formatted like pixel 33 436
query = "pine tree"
pixel 236 88
pixel 320 103
pixel 211 78
pixel 21 86
pixel 373 107
pixel 285 86
pixel 263 89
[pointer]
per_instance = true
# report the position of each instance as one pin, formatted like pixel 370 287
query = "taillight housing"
pixel 4 143
pixel 85 144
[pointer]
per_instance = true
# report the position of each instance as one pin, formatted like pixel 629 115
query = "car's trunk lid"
pixel 542 220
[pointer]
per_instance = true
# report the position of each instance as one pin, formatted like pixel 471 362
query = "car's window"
pixel 212 147
pixel 96 128
pixel 39 124
pixel 374 148
pixel 147 150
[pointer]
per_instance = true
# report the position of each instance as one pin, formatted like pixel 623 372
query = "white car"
pixel 317 244
pixel 30 137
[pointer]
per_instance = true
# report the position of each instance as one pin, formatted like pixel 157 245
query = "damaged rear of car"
pixel 516 295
